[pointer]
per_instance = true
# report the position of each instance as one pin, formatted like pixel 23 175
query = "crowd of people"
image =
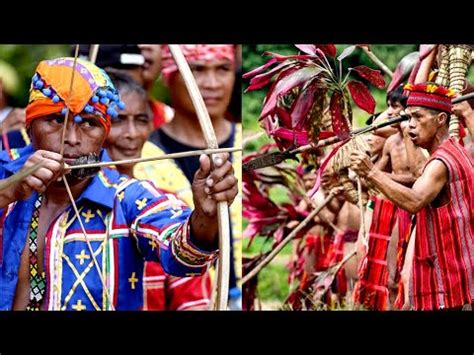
pixel 145 235
pixel 412 246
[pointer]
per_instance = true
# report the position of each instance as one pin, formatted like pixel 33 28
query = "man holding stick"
pixel 442 198
pixel 128 134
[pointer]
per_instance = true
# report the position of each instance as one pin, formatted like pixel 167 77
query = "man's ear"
pixel 442 118
pixel 28 131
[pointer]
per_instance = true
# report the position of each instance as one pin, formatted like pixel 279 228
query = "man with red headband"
pixel 442 199
pixel 52 258
pixel 128 134
pixel 213 66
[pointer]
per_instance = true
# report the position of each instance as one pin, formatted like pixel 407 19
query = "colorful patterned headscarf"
pixel 204 52
pixel 92 91
pixel 430 95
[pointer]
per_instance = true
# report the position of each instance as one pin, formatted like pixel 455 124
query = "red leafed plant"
pixel 266 217
pixel 304 86
pixel 270 219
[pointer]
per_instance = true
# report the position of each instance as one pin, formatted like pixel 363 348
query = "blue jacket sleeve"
pixel 161 225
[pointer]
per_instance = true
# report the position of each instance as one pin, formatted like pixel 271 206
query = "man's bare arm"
pixel 464 111
pixel 404 179
pixel 425 67
pixel 423 192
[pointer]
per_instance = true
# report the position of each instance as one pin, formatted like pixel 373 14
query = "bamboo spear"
pixel 288 238
pixel 277 157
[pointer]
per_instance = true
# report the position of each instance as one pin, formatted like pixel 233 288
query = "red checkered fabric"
pixel 320 246
pixel 163 292
pixel 336 254
pixel 443 262
pixel 371 290
pixel 404 233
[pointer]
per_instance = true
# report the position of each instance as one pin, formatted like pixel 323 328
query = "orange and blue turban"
pixel 92 91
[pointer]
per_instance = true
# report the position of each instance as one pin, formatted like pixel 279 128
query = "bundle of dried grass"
pixel 341 162
pixel 453 62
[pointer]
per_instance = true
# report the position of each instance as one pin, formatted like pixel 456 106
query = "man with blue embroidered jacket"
pixel 45 259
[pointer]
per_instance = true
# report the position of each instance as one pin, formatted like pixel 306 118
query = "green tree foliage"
pixel 25 58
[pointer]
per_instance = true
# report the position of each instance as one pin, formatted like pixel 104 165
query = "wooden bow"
pixel 211 140
pixel 223 209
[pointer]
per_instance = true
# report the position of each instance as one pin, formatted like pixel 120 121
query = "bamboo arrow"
pixel 159 157
pixel 4 184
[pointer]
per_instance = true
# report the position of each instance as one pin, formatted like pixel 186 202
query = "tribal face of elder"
pixel 442 199
pixel 47 262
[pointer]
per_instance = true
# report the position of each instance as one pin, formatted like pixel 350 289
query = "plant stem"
pixel 378 62
pixel 285 241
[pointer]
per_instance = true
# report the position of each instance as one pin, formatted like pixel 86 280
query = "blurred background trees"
pixel 25 58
